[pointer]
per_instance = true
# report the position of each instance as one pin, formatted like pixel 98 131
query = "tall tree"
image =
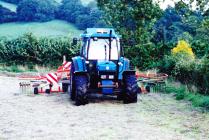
pixel 133 19
pixel 36 10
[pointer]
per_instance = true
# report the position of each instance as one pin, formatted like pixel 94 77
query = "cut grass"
pixel 12 68
pixel 52 28
pixel 16 69
pixel 182 93
pixel 9 6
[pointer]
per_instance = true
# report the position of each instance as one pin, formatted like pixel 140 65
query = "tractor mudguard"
pixel 81 73
pixel 129 72
pixel 79 64
pixel 124 65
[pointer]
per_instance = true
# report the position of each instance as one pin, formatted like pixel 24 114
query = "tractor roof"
pixel 99 32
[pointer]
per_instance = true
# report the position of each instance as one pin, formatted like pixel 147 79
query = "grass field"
pixel 51 28
pixel 9 6
pixel 85 2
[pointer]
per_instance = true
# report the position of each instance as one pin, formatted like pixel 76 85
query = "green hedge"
pixel 189 72
pixel 31 50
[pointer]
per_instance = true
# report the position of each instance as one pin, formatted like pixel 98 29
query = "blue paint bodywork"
pixel 124 65
pixel 107 91
pixel 103 66
pixel 106 66
pixel 79 64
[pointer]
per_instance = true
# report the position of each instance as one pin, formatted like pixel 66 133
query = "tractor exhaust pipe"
pixel 110 40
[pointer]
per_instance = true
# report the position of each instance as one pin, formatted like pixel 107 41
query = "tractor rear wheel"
pixel 131 89
pixel 81 83
pixel 72 84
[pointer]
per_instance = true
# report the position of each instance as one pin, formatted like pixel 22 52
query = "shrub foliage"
pixel 29 49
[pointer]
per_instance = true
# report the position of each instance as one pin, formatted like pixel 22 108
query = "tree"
pixel 13 1
pixel 166 29
pixel 133 19
pixel 71 9
pixel 36 10
pixel 7 15
pixel 82 16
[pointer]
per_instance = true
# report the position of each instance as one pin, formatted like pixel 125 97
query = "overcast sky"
pixel 165 3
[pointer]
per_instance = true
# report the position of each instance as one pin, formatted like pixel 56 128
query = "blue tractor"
pixel 101 68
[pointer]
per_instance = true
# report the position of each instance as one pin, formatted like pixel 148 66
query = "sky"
pixel 165 3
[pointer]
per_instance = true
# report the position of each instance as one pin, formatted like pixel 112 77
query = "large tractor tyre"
pixel 131 89
pixel 81 97
pixel 120 97
pixel 72 84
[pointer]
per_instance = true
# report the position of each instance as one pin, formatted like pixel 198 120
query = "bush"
pixel 188 70
pixel 29 49
pixel 36 10
pixel 146 56
pixel 183 48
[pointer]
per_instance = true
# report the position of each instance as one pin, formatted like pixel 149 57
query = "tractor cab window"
pixel 99 49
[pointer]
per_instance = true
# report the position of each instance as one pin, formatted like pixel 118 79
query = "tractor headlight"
pixel 107 76
pixel 103 76
pixel 111 76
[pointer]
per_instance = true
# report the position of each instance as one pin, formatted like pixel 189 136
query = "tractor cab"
pixel 101 65
pixel 101 50
pixel 101 46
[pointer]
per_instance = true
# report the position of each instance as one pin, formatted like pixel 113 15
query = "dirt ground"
pixel 54 117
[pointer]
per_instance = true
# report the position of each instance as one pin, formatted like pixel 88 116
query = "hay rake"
pixel 49 83
pixel 152 82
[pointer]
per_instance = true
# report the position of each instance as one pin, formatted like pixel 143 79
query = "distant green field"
pixel 58 1
pixel 50 29
pixel 85 2
pixel 7 5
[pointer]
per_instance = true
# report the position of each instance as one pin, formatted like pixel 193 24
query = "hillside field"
pixel 85 2
pixel 51 28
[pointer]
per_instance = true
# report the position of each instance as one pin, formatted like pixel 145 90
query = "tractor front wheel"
pixel 131 89
pixel 81 97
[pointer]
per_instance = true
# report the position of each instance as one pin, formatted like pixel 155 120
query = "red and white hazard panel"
pixel 52 78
